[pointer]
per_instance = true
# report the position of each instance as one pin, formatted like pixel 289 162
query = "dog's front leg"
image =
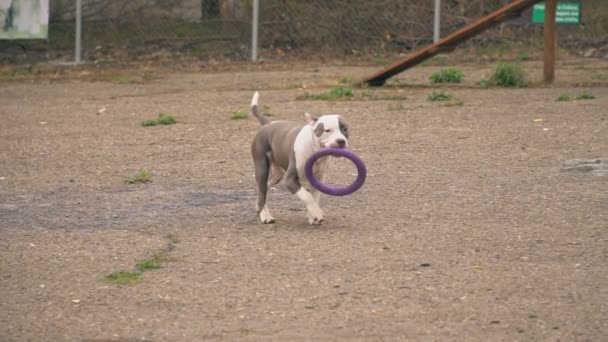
pixel 315 214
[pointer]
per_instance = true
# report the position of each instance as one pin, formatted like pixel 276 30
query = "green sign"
pixel 567 13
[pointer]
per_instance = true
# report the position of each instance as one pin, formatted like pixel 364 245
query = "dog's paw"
pixel 269 220
pixel 315 216
pixel 316 221
pixel 265 217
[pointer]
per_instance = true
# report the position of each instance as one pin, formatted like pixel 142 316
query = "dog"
pixel 280 150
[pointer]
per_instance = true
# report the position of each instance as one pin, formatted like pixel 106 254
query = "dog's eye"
pixel 327 130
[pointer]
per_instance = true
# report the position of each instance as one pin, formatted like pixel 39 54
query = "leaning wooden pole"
pixel 449 43
pixel 550 44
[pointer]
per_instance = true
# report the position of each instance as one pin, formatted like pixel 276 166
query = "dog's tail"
pixel 254 110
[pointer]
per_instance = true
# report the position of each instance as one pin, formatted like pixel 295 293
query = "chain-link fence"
pixel 127 30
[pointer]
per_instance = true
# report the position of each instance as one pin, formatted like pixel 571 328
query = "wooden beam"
pixel 550 44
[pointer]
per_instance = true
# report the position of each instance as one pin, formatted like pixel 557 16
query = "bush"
pixel 507 75
pixel 449 75
pixel 166 119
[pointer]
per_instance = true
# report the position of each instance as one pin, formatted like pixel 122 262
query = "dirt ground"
pixel 474 223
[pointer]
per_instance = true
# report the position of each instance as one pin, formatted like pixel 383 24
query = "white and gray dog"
pixel 281 148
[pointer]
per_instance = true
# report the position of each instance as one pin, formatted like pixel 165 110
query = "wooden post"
pixel 550 36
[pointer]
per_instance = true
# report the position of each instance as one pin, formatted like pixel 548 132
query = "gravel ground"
pixel 481 220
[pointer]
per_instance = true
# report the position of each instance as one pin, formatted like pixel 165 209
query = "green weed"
pixel 166 119
pixel 450 75
pixel 148 123
pixel 585 96
pixel 239 115
pixel 163 119
pixel 147 265
pixel 143 176
pixel 336 93
pixel 564 97
pixel 439 96
pixel 123 278
pixel 506 75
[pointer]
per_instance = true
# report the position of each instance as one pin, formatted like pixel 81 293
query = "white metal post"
pixel 437 22
pixel 78 48
pixel 254 30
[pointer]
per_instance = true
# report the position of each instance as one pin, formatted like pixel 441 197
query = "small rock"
pixel 75 301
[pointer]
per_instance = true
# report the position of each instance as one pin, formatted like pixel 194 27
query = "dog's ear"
pixel 311 118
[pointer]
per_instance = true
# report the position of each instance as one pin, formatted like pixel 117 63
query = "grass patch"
pixel 582 96
pixel 382 96
pixel 343 93
pixel 239 115
pixel 123 278
pixel 166 119
pixel 585 96
pixel 506 75
pixel 143 176
pixel 439 96
pixel 336 93
pixel 450 75
pixel 163 119
pixel 148 123
pixel 147 265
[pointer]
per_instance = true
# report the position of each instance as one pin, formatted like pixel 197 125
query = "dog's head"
pixel 329 130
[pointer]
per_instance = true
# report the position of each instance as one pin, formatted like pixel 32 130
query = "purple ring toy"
pixel 331 189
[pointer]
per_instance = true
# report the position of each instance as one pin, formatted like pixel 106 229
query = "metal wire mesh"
pixel 126 30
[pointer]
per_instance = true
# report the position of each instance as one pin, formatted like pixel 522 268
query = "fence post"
pixel 254 30
pixel 437 21
pixel 78 43
pixel 550 44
